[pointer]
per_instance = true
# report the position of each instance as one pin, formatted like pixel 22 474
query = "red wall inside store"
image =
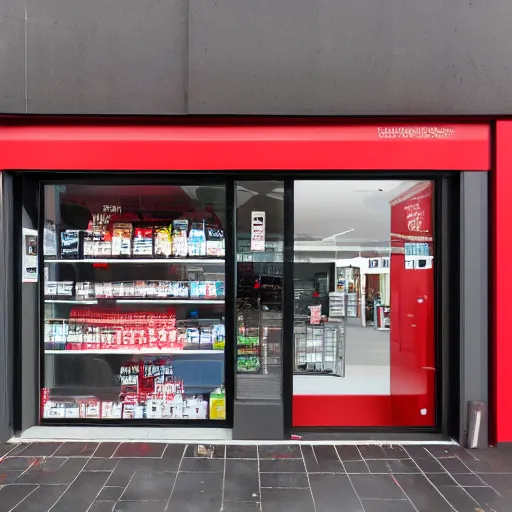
pixel 347 411
pixel 412 333
pixel 502 233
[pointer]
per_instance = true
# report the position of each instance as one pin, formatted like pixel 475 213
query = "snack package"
pixel 65 288
pixel 121 240
pixel 194 289
pixel 84 290
pixel 142 242
pixel 104 244
pixel 218 336
pixel 50 239
pixel 219 288
pixel 211 290
pixel 180 238
pixel 215 242
pixel 111 410
pixel 202 289
pixel 218 404
pixel 248 364
pixel 70 244
pixel 163 242
pixel 51 288
pixel 193 335
pixel 181 290
pixel 89 407
pixel 205 336
pixel 89 245
pixel 96 243
pixel 197 241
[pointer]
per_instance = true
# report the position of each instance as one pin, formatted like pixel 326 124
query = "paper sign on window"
pixel 258 231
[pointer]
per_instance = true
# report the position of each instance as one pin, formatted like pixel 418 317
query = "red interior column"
pixel 502 374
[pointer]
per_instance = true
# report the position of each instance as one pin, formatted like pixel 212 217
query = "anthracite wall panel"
pixel 350 57
pixel 106 57
pixel 6 308
pixel 474 321
pixel 12 56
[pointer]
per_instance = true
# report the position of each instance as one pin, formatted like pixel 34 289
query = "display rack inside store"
pixel 133 291
pixel 173 309
pixel 140 260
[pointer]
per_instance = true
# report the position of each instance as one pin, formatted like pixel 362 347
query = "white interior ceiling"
pixel 347 211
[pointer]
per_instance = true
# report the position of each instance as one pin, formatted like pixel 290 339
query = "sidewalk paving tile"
pixel 159 477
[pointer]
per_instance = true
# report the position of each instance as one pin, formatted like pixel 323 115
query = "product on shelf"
pixel 179 289
pixel 215 243
pixel 97 244
pixel 59 289
pixel 218 336
pixel 218 404
pixel 50 239
pixel 111 410
pixel 248 364
pixel 94 329
pixel 89 407
pixel 180 238
pixel 197 240
pixel 206 289
pixel 148 389
pixel 121 239
pixel 103 290
pixel 248 341
pixel 84 290
pixel 142 245
pixel 163 242
pixel 62 408
pixel 70 244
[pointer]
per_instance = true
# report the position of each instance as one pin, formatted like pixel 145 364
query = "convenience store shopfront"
pixel 267 278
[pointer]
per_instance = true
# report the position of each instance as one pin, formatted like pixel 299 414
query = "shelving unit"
pixel 169 301
pixel 133 323
pixel 135 352
pixel 138 261
pixel 348 283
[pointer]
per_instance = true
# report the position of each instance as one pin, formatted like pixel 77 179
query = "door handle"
pixel 429 368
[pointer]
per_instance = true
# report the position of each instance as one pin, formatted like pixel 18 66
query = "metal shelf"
pixel 70 301
pixel 137 260
pixel 170 301
pixel 138 301
pixel 148 351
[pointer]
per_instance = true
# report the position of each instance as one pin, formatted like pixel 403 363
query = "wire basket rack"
pixel 320 349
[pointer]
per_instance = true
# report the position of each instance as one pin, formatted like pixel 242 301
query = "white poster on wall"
pixel 29 256
pixel 258 231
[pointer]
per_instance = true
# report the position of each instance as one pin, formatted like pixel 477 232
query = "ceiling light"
pixel 336 235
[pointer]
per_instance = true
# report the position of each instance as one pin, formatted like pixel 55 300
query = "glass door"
pixel 134 311
pixel 259 283
pixel 364 335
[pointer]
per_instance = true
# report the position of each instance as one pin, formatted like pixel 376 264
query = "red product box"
pixel 89 407
pixel 45 396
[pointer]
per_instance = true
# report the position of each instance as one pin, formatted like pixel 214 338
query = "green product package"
pixel 248 340
pixel 248 364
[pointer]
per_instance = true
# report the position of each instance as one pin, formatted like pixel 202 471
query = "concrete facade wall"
pixel 292 57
